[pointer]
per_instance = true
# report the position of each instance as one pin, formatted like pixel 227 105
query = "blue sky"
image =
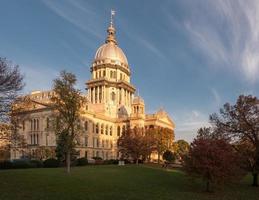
pixel 189 57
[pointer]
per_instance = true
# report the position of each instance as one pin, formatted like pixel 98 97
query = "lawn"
pixel 112 182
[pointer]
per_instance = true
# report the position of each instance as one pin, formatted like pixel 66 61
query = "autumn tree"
pixel 212 159
pixel 135 144
pixel 181 149
pixel 11 82
pixel 239 123
pixel 163 137
pixel 67 102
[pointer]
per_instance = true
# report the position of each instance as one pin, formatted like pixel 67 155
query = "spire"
pixel 111 30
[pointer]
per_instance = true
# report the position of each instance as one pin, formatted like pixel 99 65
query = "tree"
pixel 181 149
pixel 214 160
pixel 67 102
pixel 11 82
pixel 163 137
pixel 239 123
pixel 135 144
pixel 169 156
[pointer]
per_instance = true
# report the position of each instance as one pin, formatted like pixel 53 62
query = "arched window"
pixel 93 127
pixel 113 96
pixel 47 123
pixel 111 130
pixel 86 125
pixel 106 130
pixel 102 127
pixel 23 125
pixel 118 131
pixel 97 128
pixel 34 124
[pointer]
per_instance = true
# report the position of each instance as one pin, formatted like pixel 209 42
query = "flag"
pixel 112 12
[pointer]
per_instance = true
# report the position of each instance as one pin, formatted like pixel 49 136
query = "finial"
pixel 111 30
pixel 112 16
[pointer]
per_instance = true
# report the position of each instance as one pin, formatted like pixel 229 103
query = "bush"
pixel 21 164
pixel 36 163
pixel 51 163
pixel 97 158
pixel 6 164
pixel 111 162
pixel 82 161
pixel 169 156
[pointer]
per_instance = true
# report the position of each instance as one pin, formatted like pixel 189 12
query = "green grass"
pixel 112 182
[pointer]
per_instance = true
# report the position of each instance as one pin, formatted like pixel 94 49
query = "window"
pixel 111 74
pixel 102 127
pixel 23 125
pixel 111 130
pixel 86 125
pixel 47 122
pixel 106 130
pixel 104 73
pixel 93 127
pixel 97 128
pixel 113 96
pixel 118 131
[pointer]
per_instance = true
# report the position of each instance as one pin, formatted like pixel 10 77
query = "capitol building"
pixel 111 108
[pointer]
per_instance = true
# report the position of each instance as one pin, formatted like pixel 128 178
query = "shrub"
pixel 169 156
pixel 51 163
pixel 22 164
pixel 82 161
pixel 97 158
pixel 6 164
pixel 110 162
pixel 36 163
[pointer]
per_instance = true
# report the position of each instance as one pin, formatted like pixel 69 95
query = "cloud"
pixel 78 14
pixel 188 123
pixel 217 98
pixel 227 32
pixel 38 77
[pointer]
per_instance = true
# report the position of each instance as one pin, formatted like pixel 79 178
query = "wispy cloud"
pixel 38 77
pixel 227 32
pixel 83 16
pixel 217 99
pixel 188 123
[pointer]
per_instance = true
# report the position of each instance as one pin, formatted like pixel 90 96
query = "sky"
pixel 187 57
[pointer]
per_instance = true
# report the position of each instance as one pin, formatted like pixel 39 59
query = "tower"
pixel 109 89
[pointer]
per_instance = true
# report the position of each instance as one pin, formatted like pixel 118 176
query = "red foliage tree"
pixel 214 160
pixel 135 144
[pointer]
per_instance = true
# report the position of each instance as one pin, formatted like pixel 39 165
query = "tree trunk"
pixel 255 180
pixel 208 186
pixel 68 161
pixel 158 158
pixel 137 161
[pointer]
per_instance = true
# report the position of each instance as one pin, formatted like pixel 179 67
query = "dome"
pixel 138 100
pixel 111 52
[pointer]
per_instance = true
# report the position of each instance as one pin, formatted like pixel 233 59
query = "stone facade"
pixel 111 108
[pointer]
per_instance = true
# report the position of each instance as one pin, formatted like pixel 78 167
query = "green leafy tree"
pixel 169 156
pixel 181 149
pixel 67 102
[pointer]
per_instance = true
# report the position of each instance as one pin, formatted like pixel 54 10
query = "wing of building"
pixel 111 108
